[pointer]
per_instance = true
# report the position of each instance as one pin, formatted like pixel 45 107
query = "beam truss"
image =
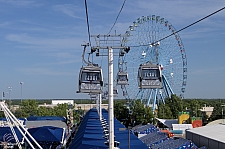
pixel 13 121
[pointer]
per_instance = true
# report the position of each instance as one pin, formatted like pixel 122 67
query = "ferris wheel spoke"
pixel 167 85
pixel 154 100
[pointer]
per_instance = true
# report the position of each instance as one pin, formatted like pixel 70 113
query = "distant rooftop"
pixel 215 132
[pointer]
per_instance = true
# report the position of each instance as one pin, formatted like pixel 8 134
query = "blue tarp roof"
pixel 44 118
pixel 90 133
pixel 47 134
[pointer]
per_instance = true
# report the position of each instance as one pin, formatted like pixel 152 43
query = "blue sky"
pixel 40 42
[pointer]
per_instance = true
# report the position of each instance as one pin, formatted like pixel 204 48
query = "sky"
pixel 40 42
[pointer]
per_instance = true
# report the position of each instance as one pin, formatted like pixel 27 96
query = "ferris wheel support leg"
pixel 171 90
pixel 142 94
pixel 162 98
pixel 158 99
pixel 154 100
pixel 110 90
pixel 138 94
pixel 165 88
pixel 150 96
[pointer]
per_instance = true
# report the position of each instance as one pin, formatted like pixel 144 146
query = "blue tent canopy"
pixel 90 134
pixel 44 118
pixel 47 134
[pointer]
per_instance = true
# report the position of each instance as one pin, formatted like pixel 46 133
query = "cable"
pixel 192 24
pixel 184 27
pixel 89 36
pixel 117 17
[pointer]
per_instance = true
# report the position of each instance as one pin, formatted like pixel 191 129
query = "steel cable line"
pixel 89 36
pixel 183 28
pixel 117 17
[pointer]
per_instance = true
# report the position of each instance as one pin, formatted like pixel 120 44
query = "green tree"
pixel 148 117
pixel 121 111
pixel 175 104
pixel 217 112
pixel 60 110
pixel 138 114
pixel 2 115
pixel 27 108
pixel 44 111
pixel 77 114
pixel 164 112
pixel 133 114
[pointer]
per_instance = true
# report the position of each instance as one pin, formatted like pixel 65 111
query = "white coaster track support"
pixel 13 121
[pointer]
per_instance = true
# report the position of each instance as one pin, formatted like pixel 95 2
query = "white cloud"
pixel 69 9
pixel 50 43
pixel 4 24
pixel 22 3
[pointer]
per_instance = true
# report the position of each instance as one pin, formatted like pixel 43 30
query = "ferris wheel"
pixel 156 66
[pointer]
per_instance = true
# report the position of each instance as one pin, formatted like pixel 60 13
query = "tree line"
pixel 136 113
pixel 133 113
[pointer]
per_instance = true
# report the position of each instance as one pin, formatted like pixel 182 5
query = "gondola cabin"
pixel 122 78
pixel 149 76
pixel 90 79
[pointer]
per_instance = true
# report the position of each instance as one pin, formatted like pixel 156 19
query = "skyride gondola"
pixel 122 75
pixel 90 77
pixel 149 76
pixel 122 78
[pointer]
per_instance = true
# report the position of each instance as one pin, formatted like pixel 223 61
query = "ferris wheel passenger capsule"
pixel 143 54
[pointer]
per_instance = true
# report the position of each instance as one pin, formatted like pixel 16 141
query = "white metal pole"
pixel 100 106
pixel 97 105
pixel 110 95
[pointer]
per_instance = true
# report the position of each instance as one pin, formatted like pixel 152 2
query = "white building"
pixel 55 102
pixel 208 110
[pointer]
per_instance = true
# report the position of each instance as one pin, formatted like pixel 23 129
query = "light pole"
pixel 21 83
pixel 222 111
pixel 10 89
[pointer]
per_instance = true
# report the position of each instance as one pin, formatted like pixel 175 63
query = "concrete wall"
pixel 87 107
pixel 204 141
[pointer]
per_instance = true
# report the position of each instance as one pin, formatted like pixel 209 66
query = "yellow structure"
pixel 184 118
